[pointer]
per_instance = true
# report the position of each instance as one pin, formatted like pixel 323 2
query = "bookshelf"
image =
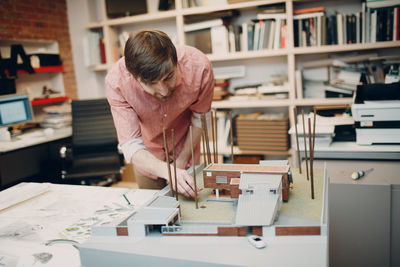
pixel 282 60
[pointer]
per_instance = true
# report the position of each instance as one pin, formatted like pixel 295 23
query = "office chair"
pixel 93 157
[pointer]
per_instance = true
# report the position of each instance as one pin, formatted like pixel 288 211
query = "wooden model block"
pixel 257 230
pixel 298 230
pixel 122 231
pixel 235 192
pixel 232 231
pixel 231 171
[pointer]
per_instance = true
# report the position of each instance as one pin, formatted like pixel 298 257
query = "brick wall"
pixel 40 20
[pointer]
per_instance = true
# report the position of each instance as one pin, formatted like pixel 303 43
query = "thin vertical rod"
pixel 216 135
pixel 311 158
pixel 204 120
pixel 231 133
pixel 213 135
pixel 305 143
pixel 297 138
pixel 203 141
pixel 194 168
pixel 171 190
pixel 174 158
pixel 314 123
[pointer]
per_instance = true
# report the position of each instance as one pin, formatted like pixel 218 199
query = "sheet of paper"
pixel 20 193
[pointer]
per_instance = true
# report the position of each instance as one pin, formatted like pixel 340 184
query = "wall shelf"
pixel 49 100
pixel 344 48
pixel 215 8
pixel 256 103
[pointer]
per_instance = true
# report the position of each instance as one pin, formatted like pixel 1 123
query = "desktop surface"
pixel 34 137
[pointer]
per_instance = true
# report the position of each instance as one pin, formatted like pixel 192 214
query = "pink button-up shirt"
pixel 137 114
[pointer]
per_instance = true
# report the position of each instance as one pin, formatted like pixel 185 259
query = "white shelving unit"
pixel 286 59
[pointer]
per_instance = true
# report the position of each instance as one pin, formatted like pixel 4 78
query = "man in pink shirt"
pixel 159 85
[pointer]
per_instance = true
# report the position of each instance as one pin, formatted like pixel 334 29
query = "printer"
pixel 376 111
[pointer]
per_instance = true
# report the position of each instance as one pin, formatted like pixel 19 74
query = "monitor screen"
pixel 14 109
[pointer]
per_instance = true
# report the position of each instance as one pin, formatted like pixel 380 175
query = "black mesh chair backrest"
pixel 93 128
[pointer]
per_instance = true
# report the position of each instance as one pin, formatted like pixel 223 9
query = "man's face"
pixel 162 89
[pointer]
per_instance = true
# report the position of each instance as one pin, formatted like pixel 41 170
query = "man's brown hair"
pixel 150 55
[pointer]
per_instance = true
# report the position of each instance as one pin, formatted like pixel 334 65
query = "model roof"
pixel 256 209
pixel 259 180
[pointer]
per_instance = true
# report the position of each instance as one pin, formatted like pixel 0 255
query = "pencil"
pixel 127 200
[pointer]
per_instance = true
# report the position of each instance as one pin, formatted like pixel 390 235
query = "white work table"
pixel 351 150
pixel 34 137
pixel 65 210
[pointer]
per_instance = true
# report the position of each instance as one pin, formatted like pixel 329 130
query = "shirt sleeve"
pixel 130 147
pixel 196 119
pixel 126 120
pixel 203 102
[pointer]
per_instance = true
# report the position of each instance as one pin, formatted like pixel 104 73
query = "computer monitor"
pixel 15 109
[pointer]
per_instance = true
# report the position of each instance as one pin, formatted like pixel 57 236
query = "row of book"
pixel 96 53
pixel 370 25
pixel 217 36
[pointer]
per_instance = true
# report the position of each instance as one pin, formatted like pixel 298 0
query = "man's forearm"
pixel 149 163
pixel 146 161
pixel 186 152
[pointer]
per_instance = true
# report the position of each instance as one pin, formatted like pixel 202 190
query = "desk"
pixel 351 150
pixel 26 227
pixel 364 214
pixel 31 155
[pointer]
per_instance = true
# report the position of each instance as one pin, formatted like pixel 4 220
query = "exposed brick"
pixel 40 20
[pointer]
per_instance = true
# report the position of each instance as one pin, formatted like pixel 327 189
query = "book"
pixel 277 33
pixel 309 10
pixel 373 26
pixel 256 37
pixel 102 51
pixel 219 40
pixel 243 37
pixel 339 20
pixel 381 3
pixel 395 24
pixel 272 8
pixel 271 34
pixel 308 15
pixel 226 14
pixel 299 84
pixel 283 36
pixel 250 36
pixel 200 39
pixel 231 36
pixel 363 23
pixel 296 33
pixel 263 16
pixel 202 25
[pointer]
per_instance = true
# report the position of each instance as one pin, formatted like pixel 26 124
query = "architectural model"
pixel 256 193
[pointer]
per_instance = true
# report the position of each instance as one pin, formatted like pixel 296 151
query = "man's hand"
pixel 185 182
